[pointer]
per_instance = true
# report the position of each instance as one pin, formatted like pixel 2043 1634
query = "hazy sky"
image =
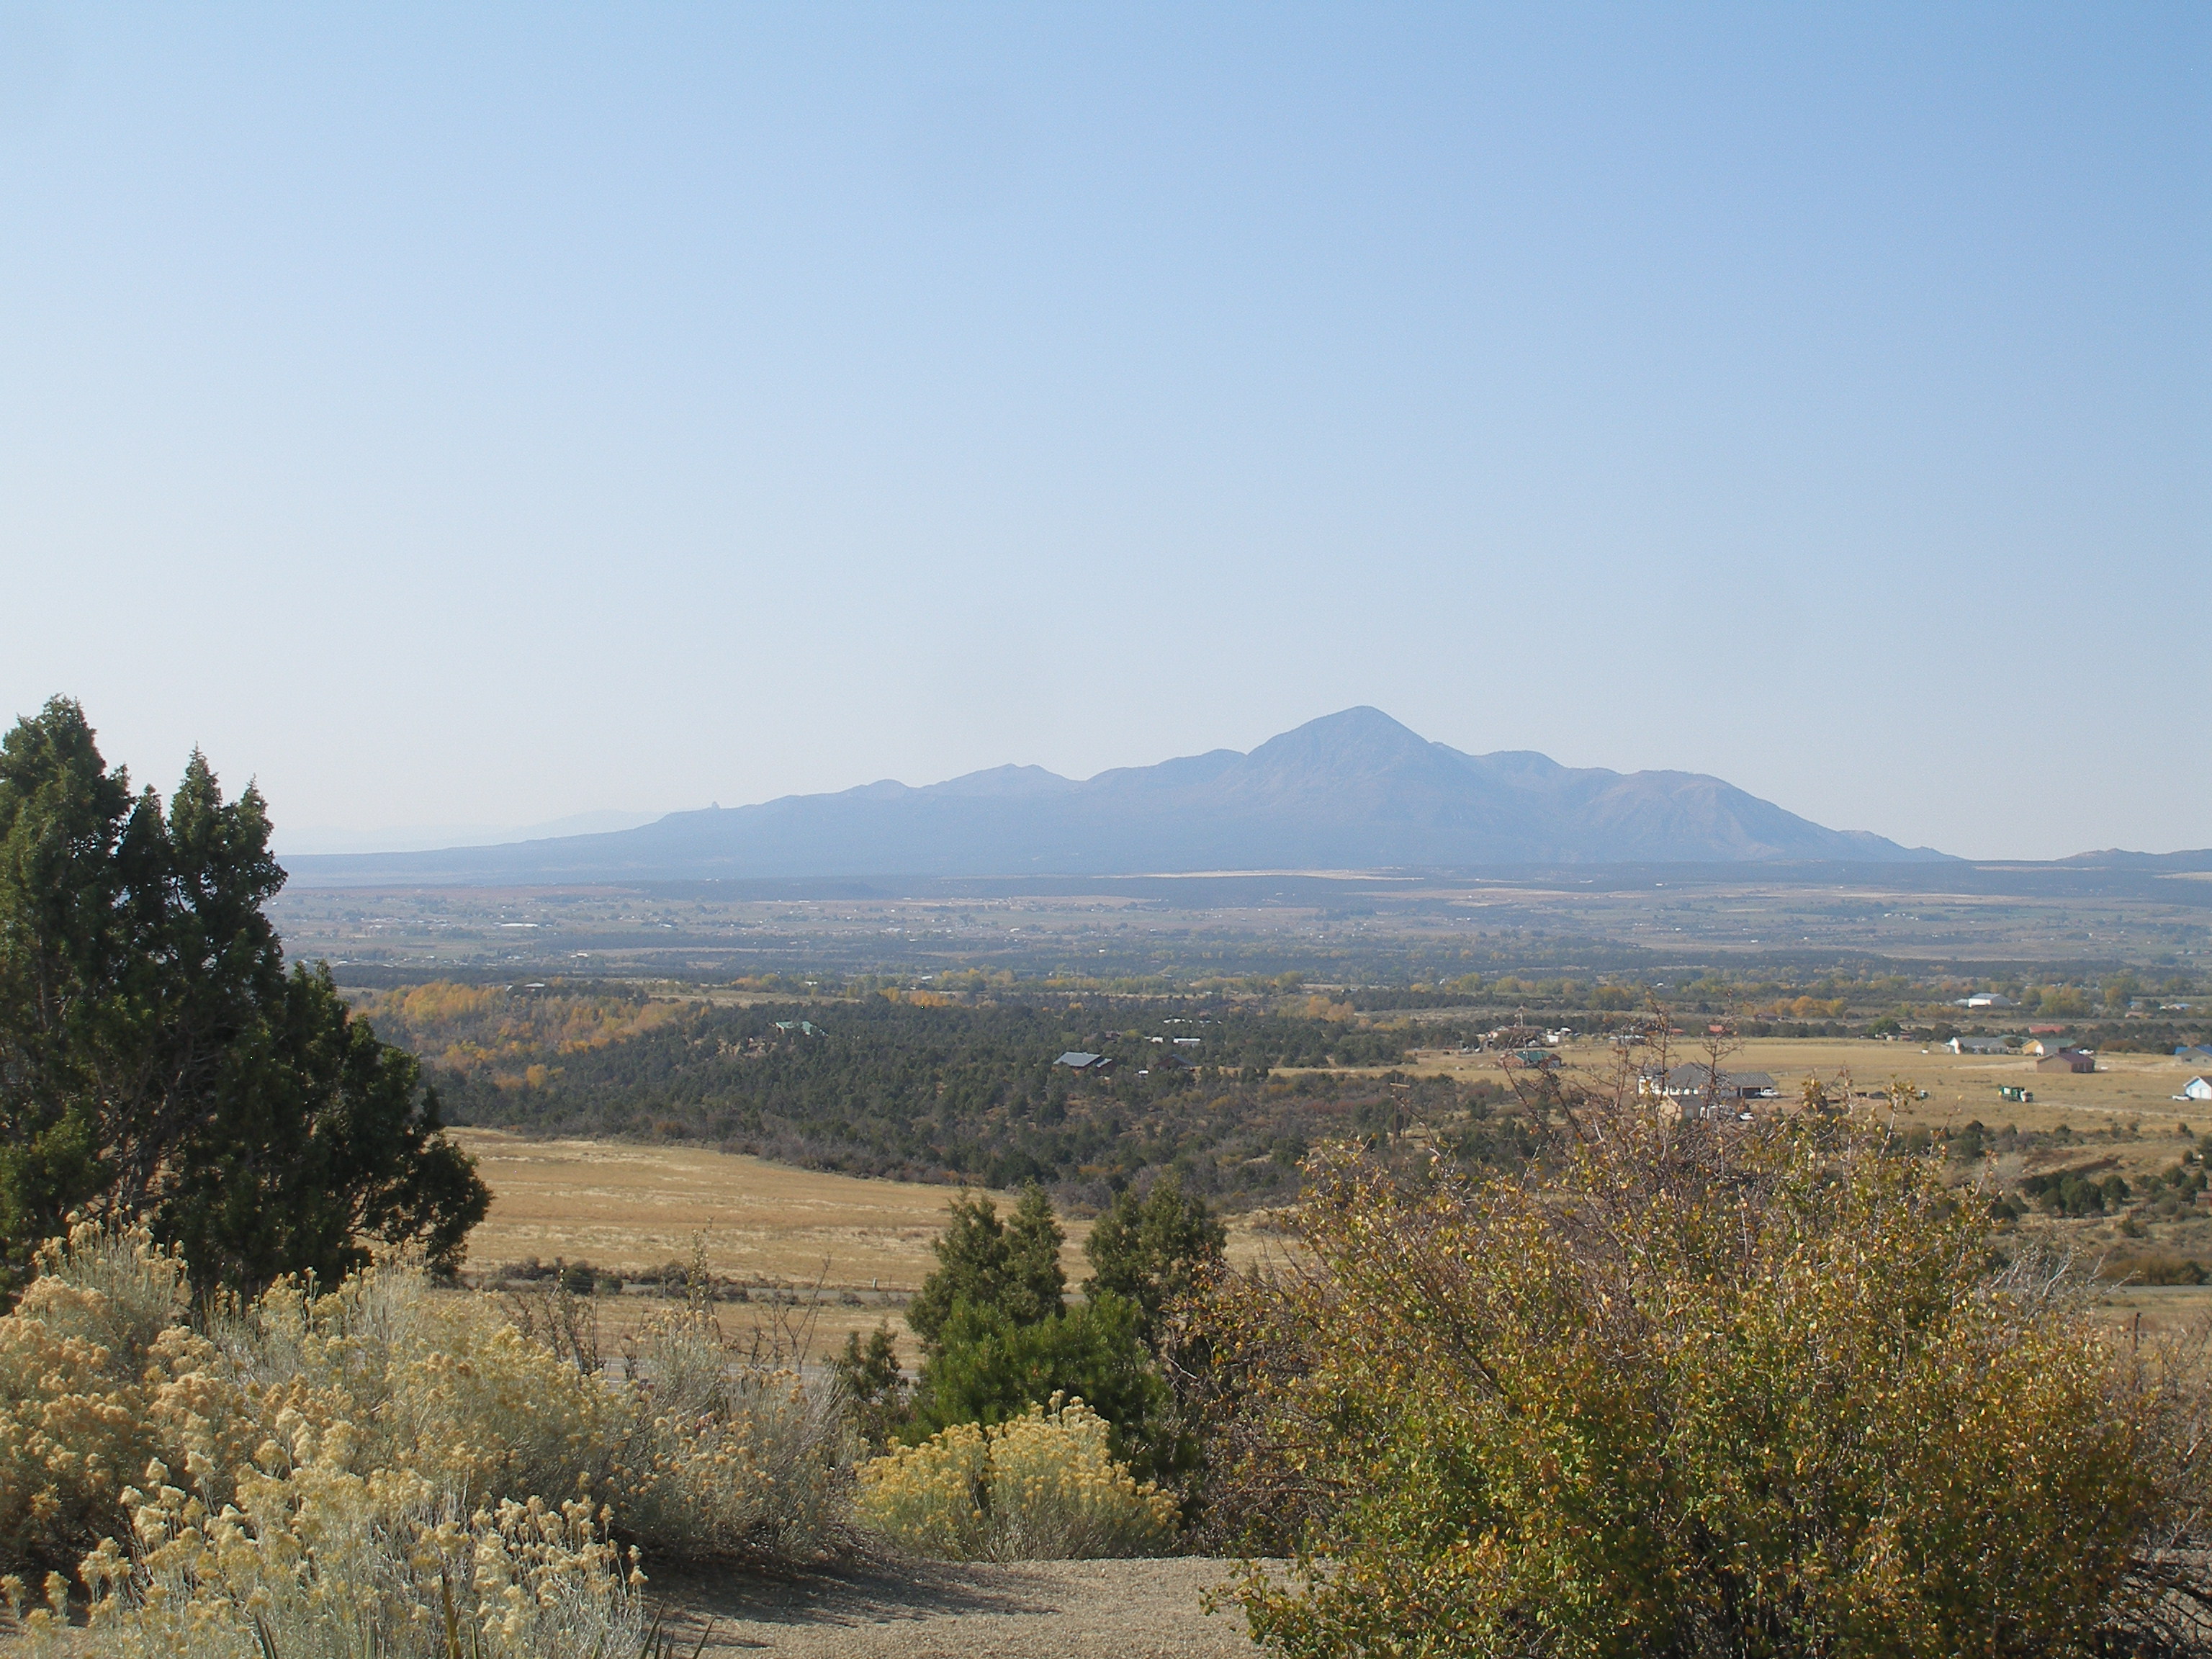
pixel 458 415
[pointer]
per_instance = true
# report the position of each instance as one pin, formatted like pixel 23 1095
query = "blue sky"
pixel 481 416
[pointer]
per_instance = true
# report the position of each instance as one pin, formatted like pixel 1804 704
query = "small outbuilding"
pixel 2197 1088
pixel 2068 1060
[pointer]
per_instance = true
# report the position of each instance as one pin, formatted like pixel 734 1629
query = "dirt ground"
pixel 942 1610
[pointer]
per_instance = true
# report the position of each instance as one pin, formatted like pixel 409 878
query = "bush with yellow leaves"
pixel 1041 1487
pixel 1692 1388
pixel 356 1448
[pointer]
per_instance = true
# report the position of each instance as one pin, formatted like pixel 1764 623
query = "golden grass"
pixel 629 1207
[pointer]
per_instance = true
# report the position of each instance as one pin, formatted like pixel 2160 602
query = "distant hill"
pixel 1354 790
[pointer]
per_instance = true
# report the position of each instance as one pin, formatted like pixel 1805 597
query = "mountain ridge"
pixel 1352 790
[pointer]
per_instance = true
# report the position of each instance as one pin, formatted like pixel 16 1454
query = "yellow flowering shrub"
pixel 314 1561
pixel 375 1468
pixel 96 1375
pixel 1040 1486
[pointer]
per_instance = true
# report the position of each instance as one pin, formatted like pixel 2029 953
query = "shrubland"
pixel 407 1459
pixel 961 1093
pixel 1680 1388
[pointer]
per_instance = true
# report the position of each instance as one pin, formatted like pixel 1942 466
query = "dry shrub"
pixel 1042 1486
pixel 97 1374
pixel 383 1449
pixel 1692 1389
pixel 733 1459
pixel 316 1562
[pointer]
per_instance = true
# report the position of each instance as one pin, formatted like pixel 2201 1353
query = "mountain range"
pixel 1354 790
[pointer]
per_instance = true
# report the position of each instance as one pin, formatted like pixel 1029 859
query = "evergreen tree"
pixel 1154 1251
pixel 1035 1285
pixel 983 1262
pixel 989 1368
pixel 157 1059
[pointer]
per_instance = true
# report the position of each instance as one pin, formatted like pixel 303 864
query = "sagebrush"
pixel 1043 1485
pixel 402 1441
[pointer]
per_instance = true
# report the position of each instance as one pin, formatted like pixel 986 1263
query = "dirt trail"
pixel 877 1609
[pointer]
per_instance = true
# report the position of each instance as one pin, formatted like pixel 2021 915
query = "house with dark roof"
pixel 1696 1080
pixel 2068 1060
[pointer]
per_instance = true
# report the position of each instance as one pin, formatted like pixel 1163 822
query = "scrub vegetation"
pixel 1542 1368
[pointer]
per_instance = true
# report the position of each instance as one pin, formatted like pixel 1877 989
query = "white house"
pixel 2197 1088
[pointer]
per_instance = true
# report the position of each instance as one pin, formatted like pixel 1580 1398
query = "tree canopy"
pixel 1154 1251
pixel 983 1262
pixel 157 1059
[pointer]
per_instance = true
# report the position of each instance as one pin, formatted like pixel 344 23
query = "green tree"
pixel 1154 1251
pixel 156 1059
pixel 1036 1284
pixel 984 1262
pixel 874 1385
pixel 988 1367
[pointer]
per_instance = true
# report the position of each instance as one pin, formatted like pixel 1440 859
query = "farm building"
pixel 2197 1088
pixel 2068 1060
pixel 1689 1082
pixel 1978 1045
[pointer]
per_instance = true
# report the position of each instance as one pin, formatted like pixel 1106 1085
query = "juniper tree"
pixel 158 1059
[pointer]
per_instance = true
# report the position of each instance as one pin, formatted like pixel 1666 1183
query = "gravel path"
pixel 881 1609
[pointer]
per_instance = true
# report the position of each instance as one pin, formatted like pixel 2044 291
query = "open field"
pixel 1960 1087
pixel 765 1225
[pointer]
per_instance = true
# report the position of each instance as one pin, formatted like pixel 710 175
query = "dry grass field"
pixel 630 1208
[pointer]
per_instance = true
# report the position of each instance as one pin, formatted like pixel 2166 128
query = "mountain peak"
pixel 1351 790
pixel 1361 736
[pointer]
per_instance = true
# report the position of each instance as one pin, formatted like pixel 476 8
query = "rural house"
pixel 2068 1060
pixel 1076 1061
pixel 2197 1088
pixel 1978 1045
pixel 1696 1079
